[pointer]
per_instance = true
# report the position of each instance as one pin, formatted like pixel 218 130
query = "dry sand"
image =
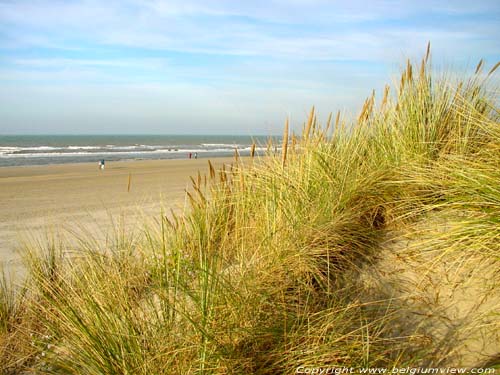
pixel 447 300
pixel 36 200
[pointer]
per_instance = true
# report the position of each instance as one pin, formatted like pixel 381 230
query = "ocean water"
pixel 58 149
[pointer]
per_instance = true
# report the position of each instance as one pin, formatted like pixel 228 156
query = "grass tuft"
pixel 371 243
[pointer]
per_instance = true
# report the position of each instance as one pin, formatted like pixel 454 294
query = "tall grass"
pixel 265 271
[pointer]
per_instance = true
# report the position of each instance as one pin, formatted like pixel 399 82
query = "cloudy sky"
pixel 218 67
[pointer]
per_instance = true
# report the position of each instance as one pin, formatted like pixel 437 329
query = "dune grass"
pixel 270 268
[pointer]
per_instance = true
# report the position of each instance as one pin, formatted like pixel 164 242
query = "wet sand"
pixel 42 199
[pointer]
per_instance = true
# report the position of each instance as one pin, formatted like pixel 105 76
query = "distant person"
pixel 102 163
pixel 190 155
pixel 196 155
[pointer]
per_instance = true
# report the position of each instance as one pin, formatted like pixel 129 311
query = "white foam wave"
pixel 83 147
pixel 113 153
pixel 230 145
pixel 41 148
pixel 8 150
pixel 116 150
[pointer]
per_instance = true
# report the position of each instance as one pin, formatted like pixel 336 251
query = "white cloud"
pixel 249 63
pixel 300 29
pixel 66 62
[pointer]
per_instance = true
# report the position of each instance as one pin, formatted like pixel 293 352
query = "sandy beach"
pixel 41 199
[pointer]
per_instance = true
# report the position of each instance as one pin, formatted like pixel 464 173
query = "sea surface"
pixel 17 150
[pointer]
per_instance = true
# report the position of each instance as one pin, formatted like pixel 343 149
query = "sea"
pixel 23 150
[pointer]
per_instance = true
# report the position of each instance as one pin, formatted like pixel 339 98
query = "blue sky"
pixel 218 67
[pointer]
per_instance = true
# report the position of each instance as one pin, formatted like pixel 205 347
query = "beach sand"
pixel 38 200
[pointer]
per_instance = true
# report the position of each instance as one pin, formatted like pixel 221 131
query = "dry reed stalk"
pixel 458 94
pixel 212 170
pixel 386 96
pixel 372 102
pixel 285 144
pixel 193 182
pixel 328 123
pixel 342 126
pixel 269 145
pixel 129 181
pixel 409 71
pixel 402 83
pixel 475 92
pixel 222 174
pixel 367 108
pixel 337 119
pixel 242 181
pixel 252 150
pixel 319 132
pixel 174 217
pixel 200 194
pixel 192 201
pixel 363 111
pixel 199 179
pixel 309 124
pixel 236 156
pixel 294 142
pixel 169 222
pixel 428 52
pixel 422 70
pixel 174 221
pixel 479 66
pixel 494 68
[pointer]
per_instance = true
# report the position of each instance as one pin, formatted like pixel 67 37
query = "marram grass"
pixel 354 244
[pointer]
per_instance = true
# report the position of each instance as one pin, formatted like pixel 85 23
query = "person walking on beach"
pixel 196 155
pixel 101 164
pixel 190 155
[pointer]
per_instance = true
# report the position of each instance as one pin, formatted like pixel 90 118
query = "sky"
pixel 218 67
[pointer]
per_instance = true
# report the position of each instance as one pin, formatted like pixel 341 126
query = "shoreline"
pixel 124 161
pixel 201 156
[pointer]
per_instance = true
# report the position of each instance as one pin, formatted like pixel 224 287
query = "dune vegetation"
pixel 372 242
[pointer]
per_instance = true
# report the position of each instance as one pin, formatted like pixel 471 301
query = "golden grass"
pixel 339 251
